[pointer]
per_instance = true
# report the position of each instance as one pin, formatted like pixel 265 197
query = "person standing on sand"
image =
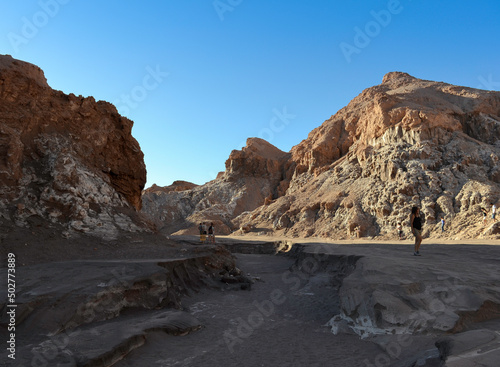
pixel 493 212
pixel 399 228
pixel 416 228
pixel 485 213
pixel 211 233
pixel 442 224
pixel 200 228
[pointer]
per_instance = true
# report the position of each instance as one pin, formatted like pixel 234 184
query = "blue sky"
pixel 198 77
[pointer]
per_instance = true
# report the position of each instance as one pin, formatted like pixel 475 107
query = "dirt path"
pixel 279 322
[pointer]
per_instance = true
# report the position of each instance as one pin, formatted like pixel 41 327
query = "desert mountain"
pixel 65 160
pixel 253 175
pixel 402 143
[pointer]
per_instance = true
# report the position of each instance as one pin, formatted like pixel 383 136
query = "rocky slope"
pixel 254 175
pixel 65 160
pixel 404 142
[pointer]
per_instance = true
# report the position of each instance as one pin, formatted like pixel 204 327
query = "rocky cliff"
pixel 253 176
pixel 402 143
pixel 65 160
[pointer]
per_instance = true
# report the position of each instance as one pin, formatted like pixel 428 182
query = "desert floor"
pixel 281 320
pixel 271 325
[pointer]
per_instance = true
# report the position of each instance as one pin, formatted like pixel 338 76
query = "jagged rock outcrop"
pixel 65 159
pixel 404 142
pixel 383 289
pixel 254 175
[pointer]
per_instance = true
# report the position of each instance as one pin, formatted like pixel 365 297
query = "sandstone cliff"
pixel 65 160
pixel 404 142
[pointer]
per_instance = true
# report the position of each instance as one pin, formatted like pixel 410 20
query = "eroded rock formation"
pixel 388 296
pixel 65 159
pixel 404 142
pixel 254 175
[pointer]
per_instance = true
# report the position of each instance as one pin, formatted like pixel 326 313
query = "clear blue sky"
pixel 198 77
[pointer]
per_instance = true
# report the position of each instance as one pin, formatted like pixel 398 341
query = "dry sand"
pixel 269 325
pixel 282 320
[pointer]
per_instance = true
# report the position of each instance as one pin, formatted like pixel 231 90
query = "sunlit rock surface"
pixel 402 143
pixel 65 159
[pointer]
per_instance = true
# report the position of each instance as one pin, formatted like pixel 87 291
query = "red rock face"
pixel 176 186
pixel 257 158
pixel 64 157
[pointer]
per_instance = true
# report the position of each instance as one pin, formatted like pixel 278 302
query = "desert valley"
pixel 307 268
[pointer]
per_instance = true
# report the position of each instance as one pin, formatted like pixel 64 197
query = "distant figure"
pixel 493 212
pixel 399 227
pixel 211 233
pixel 442 224
pixel 202 235
pixel 485 213
pixel 416 228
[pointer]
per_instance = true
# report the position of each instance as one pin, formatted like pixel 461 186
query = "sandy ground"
pixel 244 329
pixel 270 325
pixel 273 324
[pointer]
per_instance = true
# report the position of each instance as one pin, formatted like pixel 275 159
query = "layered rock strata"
pixel 391 297
pixel 406 142
pixel 65 159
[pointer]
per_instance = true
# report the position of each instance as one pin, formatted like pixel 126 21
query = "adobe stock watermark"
pixel 277 123
pixel 246 327
pixel 223 6
pixel 293 281
pixel 363 36
pixel 32 25
pixel 488 83
pixel 392 351
pixel 151 81
pixel 437 297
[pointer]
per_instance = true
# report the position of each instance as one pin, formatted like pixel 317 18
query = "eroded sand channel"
pixel 281 321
